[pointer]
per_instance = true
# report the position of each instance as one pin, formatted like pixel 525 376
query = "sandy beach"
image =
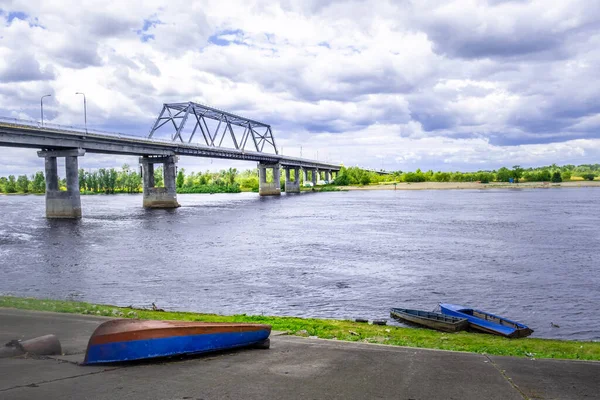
pixel 473 185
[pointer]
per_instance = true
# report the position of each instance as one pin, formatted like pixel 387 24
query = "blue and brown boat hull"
pixel 487 322
pixel 129 340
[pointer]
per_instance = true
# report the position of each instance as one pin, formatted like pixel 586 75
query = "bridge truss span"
pixel 70 143
pixel 178 114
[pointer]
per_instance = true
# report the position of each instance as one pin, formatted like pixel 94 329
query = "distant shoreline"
pixel 408 186
pixel 473 185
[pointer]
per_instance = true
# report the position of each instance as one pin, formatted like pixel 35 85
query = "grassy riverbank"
pixel 342 330
pixel 323 188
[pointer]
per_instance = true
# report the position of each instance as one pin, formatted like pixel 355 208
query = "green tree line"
pixel 224 181
pixel 23 184
pixel 128 180
pixel 552 173
pixel 110 181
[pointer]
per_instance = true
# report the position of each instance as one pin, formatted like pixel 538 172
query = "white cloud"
pixel 430 84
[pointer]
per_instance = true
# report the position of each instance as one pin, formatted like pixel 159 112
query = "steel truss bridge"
pixel 252 140
pixel 178 114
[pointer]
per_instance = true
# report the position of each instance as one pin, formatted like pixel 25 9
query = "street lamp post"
pixel 84 110
pixel 42 106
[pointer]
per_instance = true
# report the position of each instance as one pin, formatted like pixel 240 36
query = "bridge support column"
pixel 159 197
pixel 61 204
pixel 292 186
pixel 304 175
pixel 315 176
pixel 268 188
pixel 327 176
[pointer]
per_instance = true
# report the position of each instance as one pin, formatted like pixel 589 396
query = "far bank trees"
pixel 129 180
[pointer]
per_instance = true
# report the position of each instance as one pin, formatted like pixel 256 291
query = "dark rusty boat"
pixel 127 340
pixel 430 319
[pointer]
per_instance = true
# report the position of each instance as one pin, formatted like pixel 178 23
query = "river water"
pixel 530 255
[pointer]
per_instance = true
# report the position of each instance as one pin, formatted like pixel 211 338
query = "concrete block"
pixel 269 188
pixel 292 187
pixel 63 204
pixel 160 197
pixel 42 346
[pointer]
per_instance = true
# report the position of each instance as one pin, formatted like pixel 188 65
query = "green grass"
pixel 342 330
pixel 328 188
pixel 321 188
pixel 210 189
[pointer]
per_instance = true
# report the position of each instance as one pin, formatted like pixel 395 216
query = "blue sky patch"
pixel 20 15
pixel 226 37
pixel 145 37
pixel 148 23
pixel 16 14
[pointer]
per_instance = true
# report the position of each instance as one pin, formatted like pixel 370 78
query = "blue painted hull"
pixel 487 322
pixel 127 340
pixel 172 346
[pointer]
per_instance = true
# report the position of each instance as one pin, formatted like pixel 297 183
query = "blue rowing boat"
pixel 486 322
pixel 127 340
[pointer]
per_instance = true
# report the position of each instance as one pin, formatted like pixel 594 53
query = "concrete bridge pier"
pixel 304 175
pixel 269 188
pixel 292 186
pixel 61 204
pixel 315 176
pixel 160 197
pixel 327 176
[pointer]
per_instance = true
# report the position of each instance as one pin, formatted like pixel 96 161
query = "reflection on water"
pixel 530 255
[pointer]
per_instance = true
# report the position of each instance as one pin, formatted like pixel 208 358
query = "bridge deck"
pixel 30 134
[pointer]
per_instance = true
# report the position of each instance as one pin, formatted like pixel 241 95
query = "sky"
pixel 399 85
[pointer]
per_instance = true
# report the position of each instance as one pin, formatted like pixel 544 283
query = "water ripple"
pixel 530 254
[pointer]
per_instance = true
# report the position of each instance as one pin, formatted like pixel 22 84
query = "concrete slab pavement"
pixel 27 371
pixel 552 379
pixel 294 368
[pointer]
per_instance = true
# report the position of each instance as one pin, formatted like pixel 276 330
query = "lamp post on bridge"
pixel 84 110
pixel 42 106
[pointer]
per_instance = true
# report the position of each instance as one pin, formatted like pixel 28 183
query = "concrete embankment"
pixel 294 368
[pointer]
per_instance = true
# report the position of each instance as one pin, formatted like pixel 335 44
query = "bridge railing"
pixel 70 129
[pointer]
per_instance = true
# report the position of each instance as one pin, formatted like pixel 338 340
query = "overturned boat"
pixel 487 322
pixel 128 340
